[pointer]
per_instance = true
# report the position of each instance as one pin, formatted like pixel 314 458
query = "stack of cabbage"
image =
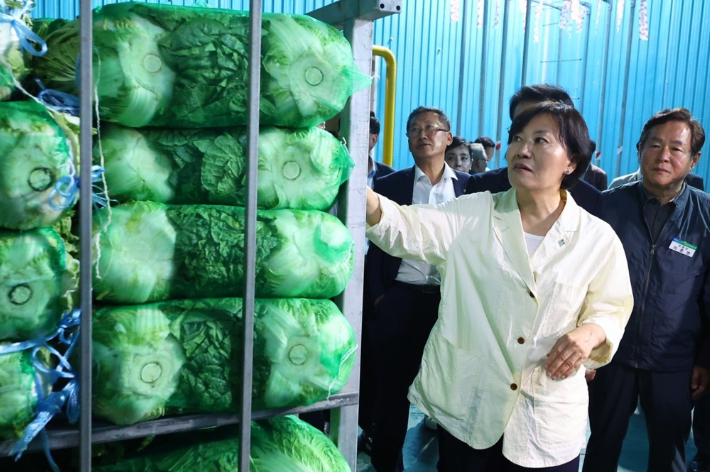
pixel 36 273
pixel 181 356
pixel 164 65
pixel 169 259
pixel 284 444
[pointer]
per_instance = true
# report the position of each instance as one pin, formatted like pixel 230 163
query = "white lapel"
pixel 560 235
pixel 508 229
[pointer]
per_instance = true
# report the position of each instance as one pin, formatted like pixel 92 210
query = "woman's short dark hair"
pixel 456 142
pixel 574 135
pixel 539 93
pixel 697 133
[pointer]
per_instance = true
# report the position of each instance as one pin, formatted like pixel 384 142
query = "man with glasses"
pixel 405 293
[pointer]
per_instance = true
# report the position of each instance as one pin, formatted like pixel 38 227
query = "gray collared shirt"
pixel 655 214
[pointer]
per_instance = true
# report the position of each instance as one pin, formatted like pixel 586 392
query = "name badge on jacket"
pixel 682 247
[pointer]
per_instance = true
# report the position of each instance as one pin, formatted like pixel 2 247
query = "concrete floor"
pixel 421 449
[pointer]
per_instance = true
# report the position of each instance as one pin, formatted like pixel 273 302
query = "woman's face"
pixel 459 159
pixel 536 158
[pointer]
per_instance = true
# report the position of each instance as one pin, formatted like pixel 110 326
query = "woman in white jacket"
pixel 534 290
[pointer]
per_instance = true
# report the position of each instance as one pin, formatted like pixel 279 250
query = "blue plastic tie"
pixel 65 190
pixel 52 405
pixel 58 101
pixel 24 34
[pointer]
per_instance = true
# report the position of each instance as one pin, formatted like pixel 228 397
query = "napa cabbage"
pixel 37 277
pixel 282 444
pixel 19 391
pixel 35 154
pixel 150 251
pixel 298 168
pixel 181 356
pixel 187 67
pixel 12 61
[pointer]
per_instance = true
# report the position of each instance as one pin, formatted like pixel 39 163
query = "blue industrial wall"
pixel 440 64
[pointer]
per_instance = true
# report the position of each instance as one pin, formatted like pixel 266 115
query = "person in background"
pixel 488 145
pixel 497 180
pixel 405 293
pixel 458 155
pixel 701 435
pixel 478 158
pixel 662 362
pixel 375 169
pixel 692 180
pixel 595 176
pixel 368 360
pixel 503 370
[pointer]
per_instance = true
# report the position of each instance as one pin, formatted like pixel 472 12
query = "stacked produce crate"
pixel 171 86
pixel 37 274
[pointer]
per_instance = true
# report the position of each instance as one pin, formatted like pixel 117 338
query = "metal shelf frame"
pixel 355 18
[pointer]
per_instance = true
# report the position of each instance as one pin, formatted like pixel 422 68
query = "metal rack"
pixel 355 18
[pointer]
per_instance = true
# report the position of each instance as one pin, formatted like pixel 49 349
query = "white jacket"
pixel 501 311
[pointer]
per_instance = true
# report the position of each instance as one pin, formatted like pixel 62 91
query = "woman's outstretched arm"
pixel 373 212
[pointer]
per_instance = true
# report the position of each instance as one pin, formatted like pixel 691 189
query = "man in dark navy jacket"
pixel 662 359
pixel 405 294
pixel 496 180
pixel 368 360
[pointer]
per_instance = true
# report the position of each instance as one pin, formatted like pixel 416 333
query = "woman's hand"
pixel 572 350
pixel 373 212
pixel 699 381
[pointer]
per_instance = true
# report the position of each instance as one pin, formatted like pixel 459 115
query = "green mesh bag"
pixel 150 251
pixel 283 444
pixel 181 356
pixel 12 61
pixel 36 279
pixel 298 169
pixel 187 67
pixel 34 156
pixel 18 391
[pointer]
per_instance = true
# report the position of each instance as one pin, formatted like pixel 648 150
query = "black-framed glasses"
pixel 428 130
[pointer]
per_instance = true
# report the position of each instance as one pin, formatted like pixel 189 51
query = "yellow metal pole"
pixel 390 88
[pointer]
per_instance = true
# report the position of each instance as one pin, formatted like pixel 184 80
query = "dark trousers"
pixel 665 399
pixel 457 456
pixel 403 321
pixel 701 426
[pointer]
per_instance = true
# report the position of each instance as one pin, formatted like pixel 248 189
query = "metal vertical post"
pixel 484 58
pixel 626 89
pixel 351 210
pixel 584 61
pixel 462 67
pixel 605 67
pixel 250 232
pixel 501 89
pixel 85 226
pixel 526 41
